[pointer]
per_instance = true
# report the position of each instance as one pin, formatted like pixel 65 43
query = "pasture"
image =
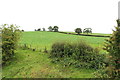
pixel 40 40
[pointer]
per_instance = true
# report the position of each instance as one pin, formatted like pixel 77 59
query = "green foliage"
pixel 78 30
pixel 36 64
pixel 10 36
pixel 50 28
pixel 22 30
pixel 112 46
pixel 81 54
pixel 118 22
pixel 55 28
pixel 39 29
pixel 87 30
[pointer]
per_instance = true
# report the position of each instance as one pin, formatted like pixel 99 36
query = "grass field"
pixel 46 39
pixel 29 64
pixel 102 34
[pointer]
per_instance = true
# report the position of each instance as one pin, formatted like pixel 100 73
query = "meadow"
pixel 40 40
pixel 36 64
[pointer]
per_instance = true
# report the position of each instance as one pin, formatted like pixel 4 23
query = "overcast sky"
pixel 100 15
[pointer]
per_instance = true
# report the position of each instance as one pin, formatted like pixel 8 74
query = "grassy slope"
pixel 42 39
pixel 36 64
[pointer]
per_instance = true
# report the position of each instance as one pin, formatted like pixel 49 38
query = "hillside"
pixel 46 39
pixel 35 64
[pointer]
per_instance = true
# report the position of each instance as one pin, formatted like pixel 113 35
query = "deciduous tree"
pixel 87 30
pixel 78 30
pixel 50 28
pixel 55 28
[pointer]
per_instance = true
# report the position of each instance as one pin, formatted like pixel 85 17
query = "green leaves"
pixel 10 37
pixel 112 46
pixel 82 54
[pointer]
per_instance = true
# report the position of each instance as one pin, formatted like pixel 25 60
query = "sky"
pixel 100 15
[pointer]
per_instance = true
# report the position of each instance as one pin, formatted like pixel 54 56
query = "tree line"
pixel 55 29
pixel 86 30
pixel 50 28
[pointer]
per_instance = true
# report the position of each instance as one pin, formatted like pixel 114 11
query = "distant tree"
pixel 43 29
pixel 39 29
pixel 78 30
pixel 87 30
pixel 35 30
pixel 55 28
pixel 50 28
pixel 22 30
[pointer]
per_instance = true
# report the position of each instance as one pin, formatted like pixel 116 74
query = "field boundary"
pixel 84 34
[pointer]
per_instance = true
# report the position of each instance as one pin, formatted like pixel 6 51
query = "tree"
pixel 78 30
pixel 22 30
pixel 112 46
pixel 87 30
pixel 10 37
pixel 39 29
pixel 55 28
pixel 43 29
pixel 50 28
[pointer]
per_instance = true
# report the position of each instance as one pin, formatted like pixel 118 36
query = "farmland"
pixel 46 39
pixel 36 64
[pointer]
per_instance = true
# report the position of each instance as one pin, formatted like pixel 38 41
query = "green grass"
pixel 29 64
pixel 102 34
pixel 40 40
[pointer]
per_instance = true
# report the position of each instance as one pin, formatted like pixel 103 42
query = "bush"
pixel 10 36
pixel 81 54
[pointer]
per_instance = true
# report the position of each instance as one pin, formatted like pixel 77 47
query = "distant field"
pixel 41 40
pixel 102 34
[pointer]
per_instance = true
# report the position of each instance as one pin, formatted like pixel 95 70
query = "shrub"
pixel 10 36
pixel 80 52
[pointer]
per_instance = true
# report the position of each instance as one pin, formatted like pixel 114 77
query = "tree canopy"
pixel 55 28
pixel 87 30
pixel 50 28
pixel 78 30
